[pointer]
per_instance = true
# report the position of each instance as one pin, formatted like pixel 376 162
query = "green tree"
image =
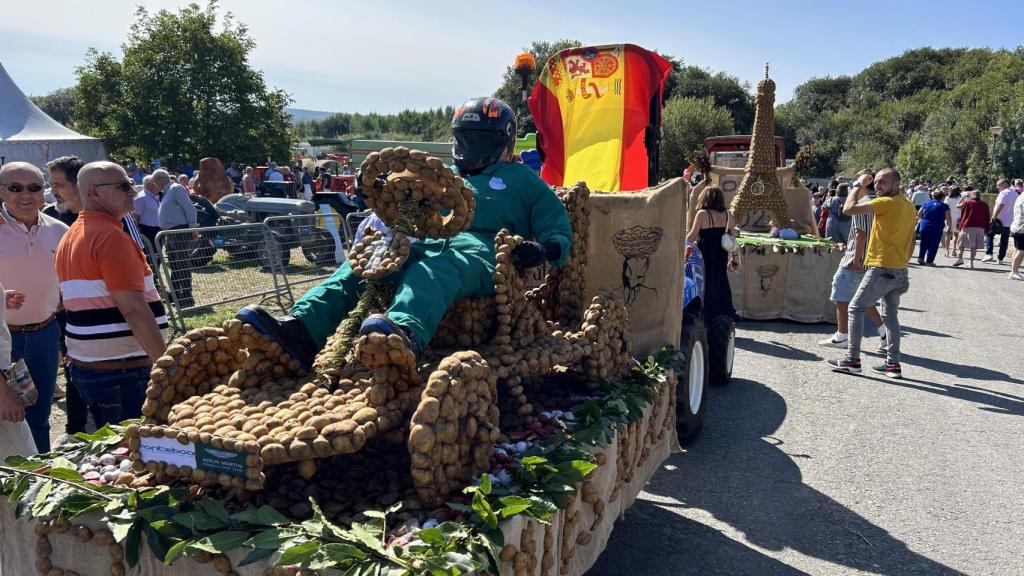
pixel 57 104
pixel 183 89
pixel 726 91
pixel 918 159
pixel 686 122
pixel 511 90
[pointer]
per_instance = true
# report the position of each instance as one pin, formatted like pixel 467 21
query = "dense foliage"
pixel 183 89
pixel 57 104
pixel 426 126
pixel 927 111
pixel 685 123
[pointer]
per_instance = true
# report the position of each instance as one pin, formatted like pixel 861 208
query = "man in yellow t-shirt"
pixel 886 279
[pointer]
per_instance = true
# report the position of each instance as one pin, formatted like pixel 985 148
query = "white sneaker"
pixel 1016 276
pixel 883 342
pixel 959 262
pixel 986 258
pixel 836 340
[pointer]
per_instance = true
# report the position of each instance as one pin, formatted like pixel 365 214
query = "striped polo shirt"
pixel 96 258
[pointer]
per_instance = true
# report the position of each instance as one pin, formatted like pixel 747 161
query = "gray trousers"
pixel 884 285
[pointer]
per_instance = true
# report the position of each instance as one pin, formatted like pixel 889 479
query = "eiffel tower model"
pixel 760 189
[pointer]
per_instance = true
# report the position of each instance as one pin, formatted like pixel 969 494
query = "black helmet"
pixel 484 128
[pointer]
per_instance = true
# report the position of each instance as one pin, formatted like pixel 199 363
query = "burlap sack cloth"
pixel 636 249
pixel 785 285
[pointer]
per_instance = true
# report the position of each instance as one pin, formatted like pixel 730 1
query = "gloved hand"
pixel 528 255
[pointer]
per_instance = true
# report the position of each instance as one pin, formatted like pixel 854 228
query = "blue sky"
pixel 388 55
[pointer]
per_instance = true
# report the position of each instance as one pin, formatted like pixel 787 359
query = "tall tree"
pixel 57 104
pixel 725 90
pixel 685 123
pixel 183 89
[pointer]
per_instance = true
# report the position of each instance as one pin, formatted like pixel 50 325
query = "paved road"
pixel 803 471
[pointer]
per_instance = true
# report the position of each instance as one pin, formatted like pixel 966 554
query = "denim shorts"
pixel 845 284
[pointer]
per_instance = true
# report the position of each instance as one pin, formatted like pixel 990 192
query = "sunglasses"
pixel 17 188
pixel 122 185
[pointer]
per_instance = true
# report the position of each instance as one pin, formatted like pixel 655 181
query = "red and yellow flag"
pixel 592 106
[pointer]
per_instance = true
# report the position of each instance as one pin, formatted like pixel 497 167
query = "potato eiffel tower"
pixel 760 189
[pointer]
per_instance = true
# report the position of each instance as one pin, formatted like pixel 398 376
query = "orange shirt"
pixel 96 258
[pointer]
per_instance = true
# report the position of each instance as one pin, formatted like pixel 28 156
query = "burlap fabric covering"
pixel 798 200
pixel 636 248
pixel 770 286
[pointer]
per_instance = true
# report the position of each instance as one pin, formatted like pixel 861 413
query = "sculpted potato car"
pixel 231 389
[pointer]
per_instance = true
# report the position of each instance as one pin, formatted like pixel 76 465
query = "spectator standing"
pixel 29 240
pixel 177 213
pixel 15 435
pixel 183 180
pixel 710 223
pixel 1002 215
pixel 849 275
pixel 272 174
pixel 289 177
pixel 837 227
pixel 325 180
pixel 116 322
pixel 953 201
pixel 886 279
pixel 64 179
pixel 933 218
pixel 1017 230
pixel 974 221
pixel 920 196
pixel 816 205
pixel 248 181
pixel 233 172
pixel 188 170
pixel 147 210
pixel 307 183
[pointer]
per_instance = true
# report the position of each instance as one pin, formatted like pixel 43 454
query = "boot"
pixel 288 331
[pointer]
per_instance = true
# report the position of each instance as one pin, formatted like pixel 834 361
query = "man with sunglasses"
pixel 28 241
pixel 116 323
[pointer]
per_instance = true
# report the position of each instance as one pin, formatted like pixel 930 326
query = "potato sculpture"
pixel 232 388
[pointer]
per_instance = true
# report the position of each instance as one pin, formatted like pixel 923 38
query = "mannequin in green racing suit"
pixel 438 272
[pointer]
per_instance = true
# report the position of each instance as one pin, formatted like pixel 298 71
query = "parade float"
pixel 786 268
pixel 510 447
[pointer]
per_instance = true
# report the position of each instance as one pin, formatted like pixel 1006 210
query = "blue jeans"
pixel 885 285
pixel 115 395
pixel 41 351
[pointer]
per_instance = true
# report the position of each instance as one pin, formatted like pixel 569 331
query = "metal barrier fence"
pixel 305 249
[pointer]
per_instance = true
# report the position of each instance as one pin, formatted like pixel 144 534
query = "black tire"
pixel 690 408
pixel 318 248
pixel 276 254
pixel 721 349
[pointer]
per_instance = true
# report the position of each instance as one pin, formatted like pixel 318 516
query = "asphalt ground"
pixel 800 470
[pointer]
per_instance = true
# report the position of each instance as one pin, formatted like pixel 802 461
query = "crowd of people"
pixel 948 216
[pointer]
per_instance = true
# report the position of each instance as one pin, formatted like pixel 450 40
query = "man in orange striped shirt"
pixel 116 323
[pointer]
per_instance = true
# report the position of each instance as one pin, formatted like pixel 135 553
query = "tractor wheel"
pixel 691 395
pixel 721 349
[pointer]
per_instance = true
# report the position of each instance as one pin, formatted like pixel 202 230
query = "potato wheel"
pixel 454 428
pixel 416 194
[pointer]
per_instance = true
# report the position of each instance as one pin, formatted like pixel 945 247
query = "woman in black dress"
pixel 711 222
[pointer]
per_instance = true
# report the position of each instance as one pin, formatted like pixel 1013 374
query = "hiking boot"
pixel 836 340
pixel 288 331
pixel 889 370
pixel 380 323
pixel 986 258
pixel 845 364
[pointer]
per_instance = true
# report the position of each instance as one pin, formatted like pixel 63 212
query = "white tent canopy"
pixel 27 134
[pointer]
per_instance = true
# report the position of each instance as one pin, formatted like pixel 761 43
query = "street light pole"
pixel 996 132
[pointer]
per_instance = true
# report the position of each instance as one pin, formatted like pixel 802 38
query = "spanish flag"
pixel 591 107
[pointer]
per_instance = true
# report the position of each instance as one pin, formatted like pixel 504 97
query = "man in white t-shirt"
pixel 1001 218
pixel 1017 230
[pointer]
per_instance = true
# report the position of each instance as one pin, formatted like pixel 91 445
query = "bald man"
pixel 116 324
pixel 28 241
pixel 886 278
